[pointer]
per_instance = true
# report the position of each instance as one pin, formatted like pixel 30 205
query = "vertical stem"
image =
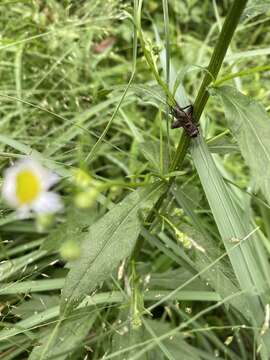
pixel 225 37
pixel 167 48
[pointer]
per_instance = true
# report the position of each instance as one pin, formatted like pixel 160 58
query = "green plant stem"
pixel 167 50
pixel 225 37
pixel 148 55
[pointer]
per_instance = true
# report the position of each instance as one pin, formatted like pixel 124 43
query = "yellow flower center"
pixel 28 187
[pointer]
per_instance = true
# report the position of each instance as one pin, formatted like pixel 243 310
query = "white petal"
pixel 47 203
pixel 23 212
pixel 52 179
pixel 9 186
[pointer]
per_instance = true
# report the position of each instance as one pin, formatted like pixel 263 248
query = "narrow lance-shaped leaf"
pixel 233 228
pixel 109 240
pixel 250 124
pixel 219 276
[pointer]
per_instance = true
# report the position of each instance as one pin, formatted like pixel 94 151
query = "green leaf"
pixel 11 267
pixel 222 146
pixel 219 274
pixel 250 125
pixel 108 241
pixel 30 286
pixel 237 235
pixel 68 338
pixel 255 8
pixel 36 304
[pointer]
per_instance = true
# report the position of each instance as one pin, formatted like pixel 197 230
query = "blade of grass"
pixel 232 227
pixel 10 267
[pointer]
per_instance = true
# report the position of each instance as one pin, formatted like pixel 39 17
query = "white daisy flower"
pixel 26 188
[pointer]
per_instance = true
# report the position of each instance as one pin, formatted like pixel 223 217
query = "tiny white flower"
pixel 26 188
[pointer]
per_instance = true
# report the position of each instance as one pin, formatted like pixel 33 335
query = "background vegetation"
pixel 162 251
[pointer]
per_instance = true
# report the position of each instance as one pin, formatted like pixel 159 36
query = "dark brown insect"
pixel 183 117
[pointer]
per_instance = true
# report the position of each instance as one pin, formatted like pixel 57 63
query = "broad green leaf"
pixel 108 241
pixel 250 125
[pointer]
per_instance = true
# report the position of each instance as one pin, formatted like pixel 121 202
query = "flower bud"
pixel 70 250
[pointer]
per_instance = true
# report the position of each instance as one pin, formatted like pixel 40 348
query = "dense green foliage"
pixel 162 249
